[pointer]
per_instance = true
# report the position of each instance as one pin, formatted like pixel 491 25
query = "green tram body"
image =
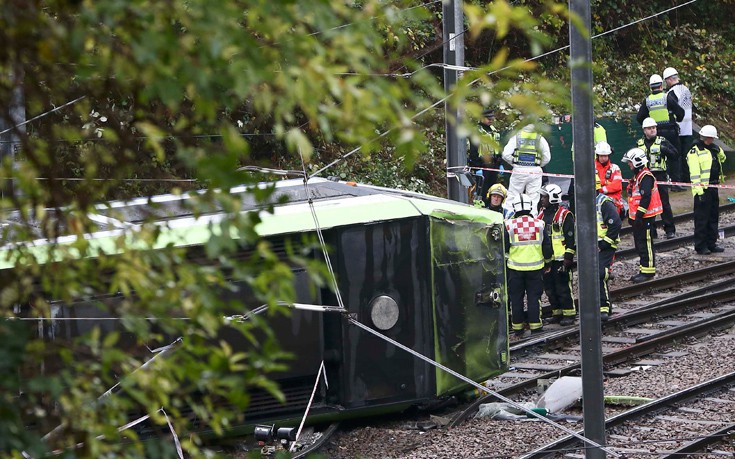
pixel 424 271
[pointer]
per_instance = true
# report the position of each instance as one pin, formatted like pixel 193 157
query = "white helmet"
pixel 649 122
pixel 669 72
pixel 708 131
pixel 655 80
pixel 522 202
pixel 553 192
pixel 636 156
pixel 603 148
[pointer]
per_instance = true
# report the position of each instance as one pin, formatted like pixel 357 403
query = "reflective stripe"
pixel 657 109
pixel 528 148
pixel 656 160
pixel 526 236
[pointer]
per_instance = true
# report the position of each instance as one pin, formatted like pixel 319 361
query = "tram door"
pixel 384 279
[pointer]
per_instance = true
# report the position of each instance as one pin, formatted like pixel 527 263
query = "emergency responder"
pixel 659 152
pixel 684 98
pixel 527 245
pixel 608 232
pixel 559 225
pixel 610 175
pixel 527 152
pixel 706 161
pixel 644 203
pixel 496 197
pixel 666 111
pixel 599 134
pixel 484 151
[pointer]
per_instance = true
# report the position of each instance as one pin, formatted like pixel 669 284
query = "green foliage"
pixel 192 90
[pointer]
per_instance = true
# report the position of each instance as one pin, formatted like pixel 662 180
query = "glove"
pixel 569 263
pixel 602 245
pixel 502 170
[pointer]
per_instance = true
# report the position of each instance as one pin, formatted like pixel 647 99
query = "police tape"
pixel 549 174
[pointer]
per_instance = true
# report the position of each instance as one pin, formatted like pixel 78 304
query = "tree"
pixel 163 90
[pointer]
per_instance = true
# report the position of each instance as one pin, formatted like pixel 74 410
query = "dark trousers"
pixel 706 219
pixel 685 143
pixel 674 165
pixel 528 285
pixel 558 287
pixel 642 238
pixel 667 217
pixel 605 262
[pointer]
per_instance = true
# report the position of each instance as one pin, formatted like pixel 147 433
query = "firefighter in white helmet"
pixel 706 164
pixel 528 247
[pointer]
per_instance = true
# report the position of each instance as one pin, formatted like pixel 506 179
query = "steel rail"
pixel 679 218
pixel 701 443
pixel 668 244
pixel 644 346
pixel 567 443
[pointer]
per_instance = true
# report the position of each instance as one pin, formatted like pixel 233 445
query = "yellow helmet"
pixel 498 189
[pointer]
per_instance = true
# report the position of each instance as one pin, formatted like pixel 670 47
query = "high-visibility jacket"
pixel 526 239
pixel 528 148
pixel 611 181
pixel 657 108
pixel 634 198
pixel 561 243
pixel 656 158
pixel 604 231
pixel 700 166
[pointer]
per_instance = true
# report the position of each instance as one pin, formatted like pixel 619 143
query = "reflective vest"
pixel 700 165
pixel 599 134
pixel 557 232
pixel 528 148
pixel 656 160
pixel 601 226
pixel 611 181
pixel 657 108
pixel 526 235
pixel 634 198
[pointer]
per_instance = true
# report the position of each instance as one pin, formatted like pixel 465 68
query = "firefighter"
pixel 608 232
pixel 527 152
pixel 496 197
pixel 528 246
pixel 559 224
pixel 610 175
pixel 706 165
pixel 659 151
pixel 484 151
pixel 664 108
pixel 599 134
pixel 644 203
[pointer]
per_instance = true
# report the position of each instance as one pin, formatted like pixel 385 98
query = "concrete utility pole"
pixel 453 38
pixel 587 254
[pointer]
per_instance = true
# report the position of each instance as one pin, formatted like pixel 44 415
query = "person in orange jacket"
pixel 611 177
pixel 644 203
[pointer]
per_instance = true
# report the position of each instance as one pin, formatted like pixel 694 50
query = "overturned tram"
pixel 425 272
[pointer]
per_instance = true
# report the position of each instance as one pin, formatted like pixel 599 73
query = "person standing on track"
pixel 665 110
pixel 608 238
pixel 684 98
pixel 706 161
pixel 644 203
pixel 527 152
pixel 659 152
pixel 610 175
pixel 528 246
pixel 559 224
pixel 484 150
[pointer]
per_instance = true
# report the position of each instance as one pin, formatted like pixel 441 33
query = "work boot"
pixel 566 321
pixel 640 277
pixel 716 249
pixel 670 235
pixel 536 331
pixel 604 316
pixel 554 319
pixel 704 251
pixel 518 333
